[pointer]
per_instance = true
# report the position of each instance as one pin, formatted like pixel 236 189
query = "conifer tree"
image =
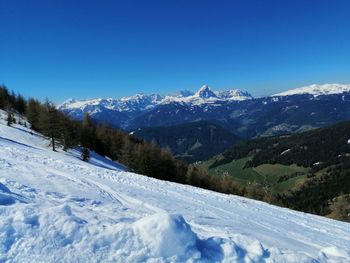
pixel 127 153
pixel 104 143
pixel 116 145
pixel 143 159
pixel 20 104
pixel 191 175
pixel 33 111
pixel 87 136
pixel 9 118
pixel 70 132
pixel 88 132
pixel 85 154
pixel 4 97
pixel 49 123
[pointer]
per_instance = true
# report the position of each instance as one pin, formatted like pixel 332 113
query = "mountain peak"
pixel 205 92
pixel 234 94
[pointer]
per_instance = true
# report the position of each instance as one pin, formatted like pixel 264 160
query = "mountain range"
pixel 237 111
pixel 142 102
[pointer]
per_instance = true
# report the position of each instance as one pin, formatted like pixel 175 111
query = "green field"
pixel 266 174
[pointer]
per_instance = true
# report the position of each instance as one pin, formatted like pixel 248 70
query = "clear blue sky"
pixel 85 49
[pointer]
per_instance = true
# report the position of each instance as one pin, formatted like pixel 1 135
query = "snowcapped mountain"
pixel 140 102
pixel 57 208
pixel 234 95
pixel 317 90
pixel 137 102
pixel 205 93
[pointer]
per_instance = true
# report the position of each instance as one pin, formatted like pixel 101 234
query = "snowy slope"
pixel 56 208
pixel 317 90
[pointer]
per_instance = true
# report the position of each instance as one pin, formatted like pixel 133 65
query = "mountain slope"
pixel 325 146
pixel 54 207
pixel 255 117
pixel 310 168
pixel 317 90
pixel 190 141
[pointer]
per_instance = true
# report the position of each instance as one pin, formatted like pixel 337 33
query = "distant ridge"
pixel 317 90
pixel 142 101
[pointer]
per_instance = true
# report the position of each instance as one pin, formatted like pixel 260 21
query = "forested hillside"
pixel 190 142
pixel 309 171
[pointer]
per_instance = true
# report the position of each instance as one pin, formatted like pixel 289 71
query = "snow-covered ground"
pixel 56 208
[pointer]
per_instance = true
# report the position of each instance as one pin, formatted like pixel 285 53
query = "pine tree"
pixel 165 163
pixel 191 175
pixel 20 104
pixel 49 123
pixel 70 132
pixel 4 97
pixel 103 137
pixel 9 118
pixel 116 145
pixel 143 161
pixel 127 153
pixel 87 132
pixel 33 111
pixel 85 154
pixel 87 137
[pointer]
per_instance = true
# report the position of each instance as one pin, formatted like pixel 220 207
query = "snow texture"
pixel 56 208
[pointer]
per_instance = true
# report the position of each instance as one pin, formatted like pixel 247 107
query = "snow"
pixel 318 90
pixel 234 94
pixel 205 95
pixel 56 208
pixel 140 102
pixel 205 92
pixel 133 103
